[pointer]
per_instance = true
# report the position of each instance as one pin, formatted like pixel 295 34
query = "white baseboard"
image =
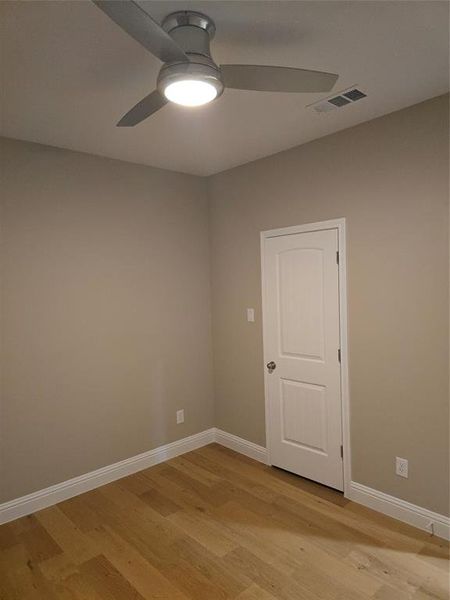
pixel 242 446
pixel 404 511
pixel 417 516
pixel 78 485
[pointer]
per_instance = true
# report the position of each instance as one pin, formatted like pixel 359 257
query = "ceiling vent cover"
pixel 348 96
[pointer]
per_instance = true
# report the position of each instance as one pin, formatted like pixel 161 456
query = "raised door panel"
pixel 304 415
pixel 301 303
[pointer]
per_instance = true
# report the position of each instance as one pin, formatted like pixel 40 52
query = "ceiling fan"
pixel 189 75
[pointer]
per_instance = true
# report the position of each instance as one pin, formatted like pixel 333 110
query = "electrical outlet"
pixel 401 467
pixel 251 315
pixel 180 416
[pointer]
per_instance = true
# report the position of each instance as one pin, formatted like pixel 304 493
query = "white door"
pixel 301 338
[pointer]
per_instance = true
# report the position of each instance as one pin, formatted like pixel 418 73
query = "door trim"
pixel 339 225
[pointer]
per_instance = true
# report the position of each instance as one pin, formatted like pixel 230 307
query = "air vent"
pixel 345 97
pixel 354 95
pixel 339 101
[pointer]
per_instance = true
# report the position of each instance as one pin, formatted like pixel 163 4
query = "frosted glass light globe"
pixel 190 92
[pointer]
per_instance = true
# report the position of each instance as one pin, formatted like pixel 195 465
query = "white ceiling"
pixel 69 73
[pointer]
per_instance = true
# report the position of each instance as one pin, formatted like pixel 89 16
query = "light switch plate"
pixel 251 315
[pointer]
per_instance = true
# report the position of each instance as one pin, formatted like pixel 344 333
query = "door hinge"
pixel 339 355
pixel 337 257
pixel 342 451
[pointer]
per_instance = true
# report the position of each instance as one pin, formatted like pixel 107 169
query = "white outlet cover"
pixel 251 315
pixel 401 467
pixel 180 416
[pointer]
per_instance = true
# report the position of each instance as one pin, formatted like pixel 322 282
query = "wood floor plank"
pixel 193 584
pixel 173 489
pixel 388 593
pixel 66 534
pixel 79 512
pixel 204 492
pixel 8 537
pixel 39 544
pixel 147 580
pixel 216 525
pixel 24 524
pixel 214 569
pixel 267 577
pixel 20 578
pixel 437 555
pixel 206 531
pixel 77 587
pixel 201 475
pixel 254 592
pixel 300 552
pixel 159 502
pixel 107 580
pixel 59 567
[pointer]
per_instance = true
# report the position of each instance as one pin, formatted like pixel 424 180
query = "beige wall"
pixel 105 315
pixel 389 178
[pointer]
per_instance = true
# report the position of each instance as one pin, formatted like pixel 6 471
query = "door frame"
pixel 339 225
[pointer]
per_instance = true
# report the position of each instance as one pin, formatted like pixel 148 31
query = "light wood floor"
pixel 212 525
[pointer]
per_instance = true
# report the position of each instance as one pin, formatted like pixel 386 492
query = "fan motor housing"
pixel 182 18
pixel 192 31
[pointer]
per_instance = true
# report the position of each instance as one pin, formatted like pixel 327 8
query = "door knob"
pixel 271 366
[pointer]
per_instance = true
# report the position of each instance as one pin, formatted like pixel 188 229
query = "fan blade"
pixel 143 109
pixel 139 24
pixel 276 79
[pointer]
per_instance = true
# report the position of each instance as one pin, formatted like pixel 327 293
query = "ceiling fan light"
pixel 190 92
